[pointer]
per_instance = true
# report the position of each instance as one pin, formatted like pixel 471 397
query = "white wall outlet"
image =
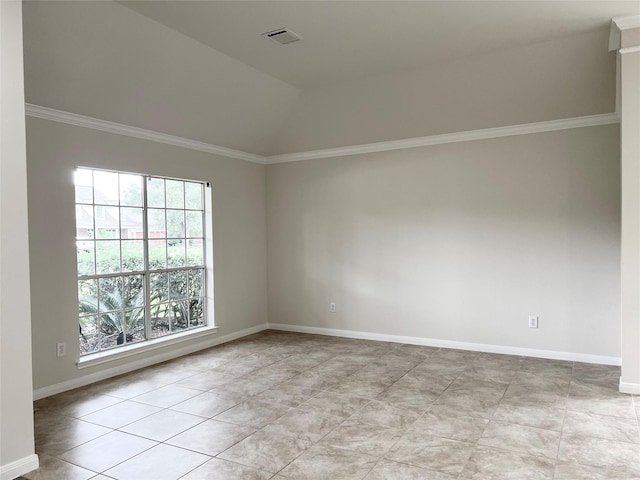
pixel 332 307
pixel 533 321
pixel 61 349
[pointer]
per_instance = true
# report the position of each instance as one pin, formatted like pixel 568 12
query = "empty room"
pixel 328 240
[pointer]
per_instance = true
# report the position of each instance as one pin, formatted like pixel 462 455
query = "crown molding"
pixel 487 133
pixel 483 134
pixel 619 25
pixel 135 132
pixel 627 23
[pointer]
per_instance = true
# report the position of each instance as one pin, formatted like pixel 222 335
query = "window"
pixel 143 267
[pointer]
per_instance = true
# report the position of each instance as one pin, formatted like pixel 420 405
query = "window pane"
pixel 105 191
pixel 194 224
pixel 84 221
pixel 159 284
pixel 175 224
pixel 132 255
pixel 131 223
pixel 179 316
pixel 196 312
pixel 83 180
pixel 175 253
pixel 89 335
pixel 175 194
pixel 155 192
pixel 156 223
pixel 157 254
pixel 193 195
pixel 107 256
pixel 110 294
pixel 134 324
pixel 83 176
pixel 133 291
pixel 107 221
pixel 84 194
pixel 110 329
pixel 130 190
pixel 85 256
pixel 160 320
pixel 195 253
pixel 195 283
pixel 178 285
pixel 88 297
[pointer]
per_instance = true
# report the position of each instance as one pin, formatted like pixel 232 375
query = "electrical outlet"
pixel 332 307
pixel 533 321
pixel 61 349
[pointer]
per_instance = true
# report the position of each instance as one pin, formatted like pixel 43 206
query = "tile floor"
pixel 282 406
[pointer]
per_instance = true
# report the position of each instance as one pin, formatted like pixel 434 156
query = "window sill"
pixel 94 359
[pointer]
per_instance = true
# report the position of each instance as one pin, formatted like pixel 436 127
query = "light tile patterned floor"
pixel 295 406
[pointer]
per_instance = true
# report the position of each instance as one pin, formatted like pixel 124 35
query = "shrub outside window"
pixel 141 257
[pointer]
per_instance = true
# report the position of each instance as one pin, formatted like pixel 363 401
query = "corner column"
pixel 625 39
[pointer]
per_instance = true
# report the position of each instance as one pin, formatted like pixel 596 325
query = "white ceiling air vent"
pixel 282 36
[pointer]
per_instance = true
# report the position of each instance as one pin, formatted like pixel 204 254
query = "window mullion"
pixel 147 276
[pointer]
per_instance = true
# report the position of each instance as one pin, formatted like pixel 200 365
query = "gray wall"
pixel 455 242
pixel 106 61
pixel 53 151
pixel 562 78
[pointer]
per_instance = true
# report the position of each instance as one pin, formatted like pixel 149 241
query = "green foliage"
pixel 118 309
pixel 108 260
pixel 116 315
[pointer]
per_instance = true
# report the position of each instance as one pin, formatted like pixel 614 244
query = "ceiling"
pixel 350 40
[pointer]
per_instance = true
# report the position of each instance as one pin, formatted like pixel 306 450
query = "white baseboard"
pixel 631 388
pixel 19 467
pixel 431 342
pixel 145 362
pixel 194 347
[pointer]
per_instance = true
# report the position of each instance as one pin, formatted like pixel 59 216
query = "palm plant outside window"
pixel 141 257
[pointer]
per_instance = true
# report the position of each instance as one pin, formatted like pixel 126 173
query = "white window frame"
pixel 150 344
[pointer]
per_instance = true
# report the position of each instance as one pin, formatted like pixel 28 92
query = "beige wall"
pixel 53 150
pixel 563 78
pixel 455 242
pixel 16 412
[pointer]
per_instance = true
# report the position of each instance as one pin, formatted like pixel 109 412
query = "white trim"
pixel 108 356
pixel 19 467
pixel 633 49
pixel 431 342
pixel 627 23
pixel 618 25
pixel 145 362
pixel 483 134
pixel 121 129
pixel 631 388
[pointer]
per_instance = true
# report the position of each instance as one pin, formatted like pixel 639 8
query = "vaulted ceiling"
pixel 347 40
pixel 202 70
